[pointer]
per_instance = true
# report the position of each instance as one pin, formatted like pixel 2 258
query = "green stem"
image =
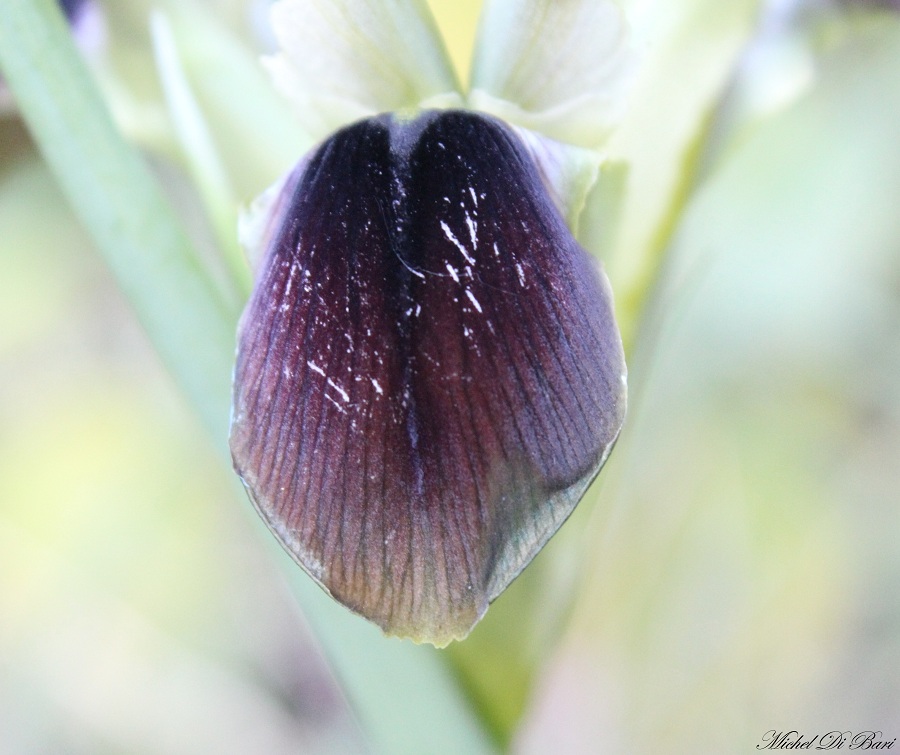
pixel 633 299
pixel 199 150
pixel 405 698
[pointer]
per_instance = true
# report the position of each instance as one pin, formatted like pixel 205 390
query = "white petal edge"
pixel 568 172
pixel 342 60
pixel 561 67
pixel 259 222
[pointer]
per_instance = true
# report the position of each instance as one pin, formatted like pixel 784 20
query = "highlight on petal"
pixel 342 60
pixel 429 374
pixel 561 67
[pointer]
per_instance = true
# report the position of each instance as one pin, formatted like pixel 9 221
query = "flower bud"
pixel 429 374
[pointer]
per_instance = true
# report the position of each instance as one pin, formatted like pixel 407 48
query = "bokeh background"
pixel 735 571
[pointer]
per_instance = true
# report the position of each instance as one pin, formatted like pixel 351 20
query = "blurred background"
pixel 736 569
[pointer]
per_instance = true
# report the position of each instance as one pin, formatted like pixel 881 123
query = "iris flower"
pixel 429 373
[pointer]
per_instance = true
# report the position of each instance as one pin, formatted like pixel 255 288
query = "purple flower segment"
pixel 429 374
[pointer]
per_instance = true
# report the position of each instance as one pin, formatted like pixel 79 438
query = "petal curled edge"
pixel 429 374
pixel 342 60
pixel 569 173
pixel 560 67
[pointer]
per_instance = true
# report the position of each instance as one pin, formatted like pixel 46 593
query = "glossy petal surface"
pixel 429 374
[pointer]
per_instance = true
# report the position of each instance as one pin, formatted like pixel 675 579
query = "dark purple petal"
pixel 429 374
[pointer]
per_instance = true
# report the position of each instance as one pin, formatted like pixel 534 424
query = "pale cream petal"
pixel 692 49
pixel 561 67
pixel 342 60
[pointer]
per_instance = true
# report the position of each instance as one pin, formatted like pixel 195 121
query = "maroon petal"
pixel 429 374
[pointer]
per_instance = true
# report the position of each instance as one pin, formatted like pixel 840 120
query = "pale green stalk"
pixel 403 695
pixel 203 160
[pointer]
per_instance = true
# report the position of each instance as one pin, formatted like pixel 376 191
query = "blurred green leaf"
pixel 689 53
pixel 118 200
pixel 202 156
pixel 748 572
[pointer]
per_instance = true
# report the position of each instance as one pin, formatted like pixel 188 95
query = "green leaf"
pixel 203 160
pixel 117 199
pixel 601 215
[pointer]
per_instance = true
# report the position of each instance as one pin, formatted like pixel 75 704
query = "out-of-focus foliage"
pixel 137 614
pixel 743 571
